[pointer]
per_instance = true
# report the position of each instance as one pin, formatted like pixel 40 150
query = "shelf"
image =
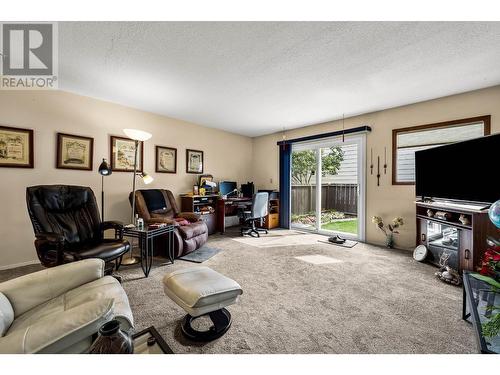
pixel 450 223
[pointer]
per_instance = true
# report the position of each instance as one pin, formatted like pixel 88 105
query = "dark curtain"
pixel 285 165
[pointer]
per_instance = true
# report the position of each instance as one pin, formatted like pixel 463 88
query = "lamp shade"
pixel 137 135
pixel 105 168
pixel 146 178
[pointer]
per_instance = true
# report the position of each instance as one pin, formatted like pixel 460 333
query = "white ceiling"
pixel 255 78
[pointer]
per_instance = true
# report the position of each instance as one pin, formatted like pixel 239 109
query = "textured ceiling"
pixel 255 78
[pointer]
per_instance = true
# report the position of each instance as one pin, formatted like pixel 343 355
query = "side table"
pixel 146 243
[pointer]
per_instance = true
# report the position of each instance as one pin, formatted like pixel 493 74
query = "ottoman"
pixel 202 291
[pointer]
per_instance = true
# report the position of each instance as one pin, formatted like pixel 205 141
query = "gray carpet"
pixel 201 255
pixel 374 301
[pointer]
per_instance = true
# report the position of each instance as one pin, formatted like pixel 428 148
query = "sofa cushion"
pixel 6 314
pixel 195 229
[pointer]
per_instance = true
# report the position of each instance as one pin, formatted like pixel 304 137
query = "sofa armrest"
pixel 190 216
pixel 26 292
pixel 60 330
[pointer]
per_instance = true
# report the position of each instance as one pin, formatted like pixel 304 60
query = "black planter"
pixel 112 340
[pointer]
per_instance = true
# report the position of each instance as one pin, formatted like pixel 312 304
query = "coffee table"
pixel 146 243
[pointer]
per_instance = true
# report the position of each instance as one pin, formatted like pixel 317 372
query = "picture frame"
pixel 165 159
pixel 16 147
pixel 203 178
pixel 194 161
pixel 74 152
pixel 122 154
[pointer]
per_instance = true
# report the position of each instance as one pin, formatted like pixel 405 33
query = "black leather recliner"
pixel 68 227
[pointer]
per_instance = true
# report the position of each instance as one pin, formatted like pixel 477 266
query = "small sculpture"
pixel 464 219
pixel 446 273
pixel 430 213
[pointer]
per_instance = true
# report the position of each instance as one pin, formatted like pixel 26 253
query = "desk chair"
pixel 260 203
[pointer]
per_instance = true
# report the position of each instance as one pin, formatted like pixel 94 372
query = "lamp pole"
pixel 133 183
pixel 102 198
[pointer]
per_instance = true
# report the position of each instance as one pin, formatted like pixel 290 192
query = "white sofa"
pixel 60 309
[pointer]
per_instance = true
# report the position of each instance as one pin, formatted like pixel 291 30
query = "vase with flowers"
pixel 389 230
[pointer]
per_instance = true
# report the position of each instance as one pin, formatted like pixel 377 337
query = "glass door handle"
pixel 423 237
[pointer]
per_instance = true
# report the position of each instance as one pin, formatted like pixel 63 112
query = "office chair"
pixel 260 203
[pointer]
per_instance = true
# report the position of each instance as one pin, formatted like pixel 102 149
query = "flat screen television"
pixel 463 171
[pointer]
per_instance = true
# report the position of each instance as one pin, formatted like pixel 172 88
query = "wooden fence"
pixel 339 197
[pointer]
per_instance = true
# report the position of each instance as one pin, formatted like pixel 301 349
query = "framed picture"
pixel 194 161
pixel 16 147
pixel 203 178
pixel 74 152
pixel 166 159
pixel 122 154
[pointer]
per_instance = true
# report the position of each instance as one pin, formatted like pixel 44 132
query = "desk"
pixel 228 207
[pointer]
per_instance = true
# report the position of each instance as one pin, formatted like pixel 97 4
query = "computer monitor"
pixel 227 187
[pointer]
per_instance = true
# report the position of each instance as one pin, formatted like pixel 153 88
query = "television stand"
pixel 461 230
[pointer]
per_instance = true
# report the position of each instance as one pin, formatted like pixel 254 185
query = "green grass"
pixel 348 226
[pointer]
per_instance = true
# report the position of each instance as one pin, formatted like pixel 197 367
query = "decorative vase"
pixel 112 340
pixel 389 241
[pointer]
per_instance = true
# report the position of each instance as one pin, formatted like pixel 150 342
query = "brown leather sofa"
pixel 159 206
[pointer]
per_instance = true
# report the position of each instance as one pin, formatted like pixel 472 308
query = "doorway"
pixel 331 201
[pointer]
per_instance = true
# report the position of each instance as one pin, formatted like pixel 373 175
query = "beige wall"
pixel 226 157
pixel 387 200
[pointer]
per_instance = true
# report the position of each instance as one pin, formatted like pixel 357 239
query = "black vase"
pixel 112 340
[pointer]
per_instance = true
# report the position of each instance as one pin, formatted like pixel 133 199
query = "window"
pixel 406 141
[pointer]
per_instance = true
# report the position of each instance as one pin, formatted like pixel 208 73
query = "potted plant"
pixel 390 230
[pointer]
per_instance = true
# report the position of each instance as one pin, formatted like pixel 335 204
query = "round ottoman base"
pixel 221 319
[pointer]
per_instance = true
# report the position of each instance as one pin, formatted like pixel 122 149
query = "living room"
pixel 162 191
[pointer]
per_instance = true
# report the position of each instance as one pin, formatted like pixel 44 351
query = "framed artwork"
pixel 122 154
pixel 74 152
pixel 16 147
pixel 166 159
pixel 194 161
pixel 203 178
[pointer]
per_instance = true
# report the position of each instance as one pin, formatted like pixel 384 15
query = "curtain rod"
pixel 359 129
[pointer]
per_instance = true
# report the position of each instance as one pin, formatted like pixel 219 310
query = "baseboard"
pixel 28 263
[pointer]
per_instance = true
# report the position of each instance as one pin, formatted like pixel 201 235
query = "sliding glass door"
pixel 331 200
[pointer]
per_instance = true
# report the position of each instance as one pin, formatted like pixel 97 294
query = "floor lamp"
pixel 104 170
pixel 137 136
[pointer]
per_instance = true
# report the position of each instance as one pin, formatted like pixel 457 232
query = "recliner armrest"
pixel 56 238
pixel 112 224
pixel 50 248
pixel 29 291
pixel 190 216
pixel 60 330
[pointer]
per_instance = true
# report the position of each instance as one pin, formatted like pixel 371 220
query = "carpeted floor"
pixel 371 300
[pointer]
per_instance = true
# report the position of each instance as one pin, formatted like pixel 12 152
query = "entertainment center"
pixel 454 188
pixel 464 241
